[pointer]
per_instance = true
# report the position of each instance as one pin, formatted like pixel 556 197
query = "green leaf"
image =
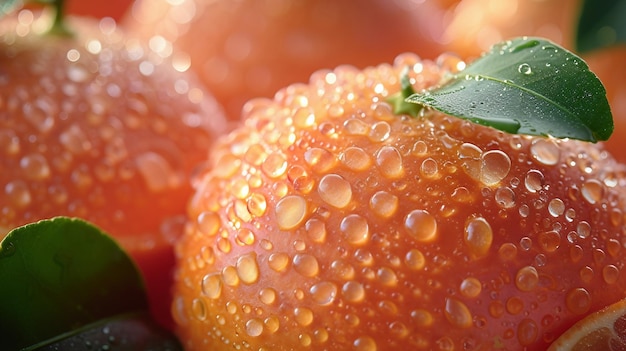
pixel 59 275
pixel 601 24
pixel 527 86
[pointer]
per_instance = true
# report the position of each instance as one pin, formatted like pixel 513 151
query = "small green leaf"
pixel 59 275
pixel 601 24
pixel 527 86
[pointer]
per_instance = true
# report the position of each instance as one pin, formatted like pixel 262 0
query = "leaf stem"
pixel 398 100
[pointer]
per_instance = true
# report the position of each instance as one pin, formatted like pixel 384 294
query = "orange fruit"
pixel 604 330
pixel 98 9
pixel 101 127
pixel 327 222
pixel 246 48
pixel 475 25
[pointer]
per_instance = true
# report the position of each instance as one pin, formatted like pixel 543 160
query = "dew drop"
pixel 527 332
pixel 306 265
pixel 198 309
pixel 422 318
pixel 457 313
pixel 415 260
pixel 387 276
pixel 610 274
pixel 278 261
pixel 578 301
pixel 514 305
pixel 525 69
pixel 157 172
pixel 256 204
pixel 303 316
pixel 274 165
pixel 534 181
pixel 545 151
pixel 18 194
pixel 505 197
pixel 380 131
pixel 495 166
pixel 342 269
pixel 421 225
pixel 429 168
pixel 384 204
pixel 389 162
pixel 556 207
pixel 478 236
pixel 316 230
pixel 507 251
pixel 353 291
pixel 272 323
pixel 35 167
pixel 355 229
pixel 208 223
pixel 583 229
pixel 355 126
pixel 230 276
pixel 323 293
pixel 549 241
pixel 365 343
pixel 320 160
pixel 592 191
pixel 470 287
pixel 267 296
pixel 355 159
pixel 212 285
pixel 75 140
pixel 248 268
pixel 335 191
pixel 254 327
pixel 290 212
pixel 527 278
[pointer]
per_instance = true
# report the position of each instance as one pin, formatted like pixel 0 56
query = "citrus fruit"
pixel 329 222
pixel 114 8
pixel 245 49
pixel 103 128
pixel 600 331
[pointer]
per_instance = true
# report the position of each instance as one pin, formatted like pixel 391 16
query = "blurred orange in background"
pixel 244 49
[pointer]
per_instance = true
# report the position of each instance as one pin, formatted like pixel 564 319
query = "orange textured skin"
pixel 245 49
pixel 330 223
pixel 84 133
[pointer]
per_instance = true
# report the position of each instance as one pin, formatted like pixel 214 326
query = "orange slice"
pixel 604 330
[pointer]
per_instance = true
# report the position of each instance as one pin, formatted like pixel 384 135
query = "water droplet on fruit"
pixel 35 167
pixel 389 162
pixel 75 140
pixel 267 296
pixel 316 230
pixel 272 323
pixel 592 191
pixel 303 316
pixel 306 265
pixel 534 181
pixel 208 223
pixel 342 269
pixel 380 131
pixel 248 268
pixel 157 172
pixel 212 285
pixel 365 343
pixel 230 276
pixel 457 313
pixel 387 276
pixel 545 151
pixel 355 126
pixel 556 207
pixel 505 197
pixel 335 191
pixel 274 165
pixel 415 260
pixel 583 229
pixel 323 293
pixel 470 287
pixel 610 274
pixel 355 229
pixel 578 301
pixel 422 318
pixel 256 204
pixel 353 291
pixel 290 212
pixel 495 166
pixel 384 204
pixel 278 261
pixel 429 168
pixel 254 327
pixel 421 225
pixel 198 309
pixel 549 241
pixel 527 278
pixel 355 158
pixel 18 194
pixel 478 236
pixel 320 160
pixel 514 305
pixel 527 332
